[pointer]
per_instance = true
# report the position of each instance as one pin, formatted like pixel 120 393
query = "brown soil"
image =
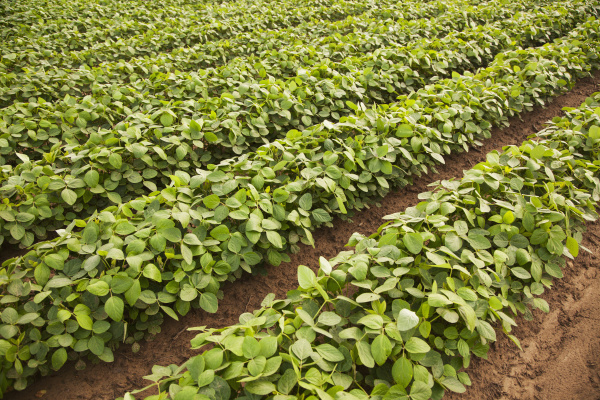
pixel 569 335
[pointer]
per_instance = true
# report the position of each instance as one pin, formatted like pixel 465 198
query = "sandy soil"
pixel 561 350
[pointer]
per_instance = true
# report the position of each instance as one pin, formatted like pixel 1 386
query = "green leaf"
pixel 381 349
pixel 69 196
pixel 520 273
pixel 96 345
pixel 404 130
pixel 85 321
pixel 325 265
pixel 402 371
pixel 413 242
pixel 17 232
pixel 54 261
pixel 92 178
pixel 367 297
pixel 250 347
pixel 287 381
pixel 486 330
pixel 261 388
pixel 210 137
pixel 10 316
pixel 416 345
pixel 166 119
pixel 209 302
pixel 275 239
pixel 573 246
pixel 454 385
pixel 173 235
pixel 364 353
pixel 99 288
pixel 188 293
pixel 306 201
pixel 212 201
pixel 321 215
pixel 420 391
pixel 114 308
pixel 115 160
pixel 220 233
pixel 151 271
pixel 120 284
pixel 302 349
pixel 59 358
pixel 280 195
pixel 205 378
pixel 114 197
pixel 306 277
pixel 257 365
pixel 124 228
pixel 469 316
pixel 538 152
pixel 519 241
pixel 329 318
pixel 133 293
pixel 508 217
pixel 407 320
pixel 479 242
pixel 158 242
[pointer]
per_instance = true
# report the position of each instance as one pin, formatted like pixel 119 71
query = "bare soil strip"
pixel 561 349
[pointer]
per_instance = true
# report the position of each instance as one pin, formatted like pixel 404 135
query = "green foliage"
pixel 128 265
pixel 114 166
pixel 430 311
pixel 157 184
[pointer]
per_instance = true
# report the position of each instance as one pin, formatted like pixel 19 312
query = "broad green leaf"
pixel 573 246
pixel 402 371
pixel 364 353
pixel 413 242
pixel 220 233
pixel 325 265
pixel 381 348
pixel 306 277
pixel 114 308
pixel 59 358
pixel 416 345
pixel 420 391
pixel 407 320
pixel 261 388
pixel 209 302
pixel 275 239
pixel 211 201
pixel 69 196
pixel 306 201
pixel 92 178
pixel 96 345
pixel 99 288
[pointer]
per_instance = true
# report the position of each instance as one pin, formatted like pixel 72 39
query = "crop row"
pixel 168 88
pixel 400 316
pixel 239 96
pixel 32 11
pixel 278 16
pixel 216 87
pixel 115 275
pixel 113 167
pixel 311 41
pixel 114 20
